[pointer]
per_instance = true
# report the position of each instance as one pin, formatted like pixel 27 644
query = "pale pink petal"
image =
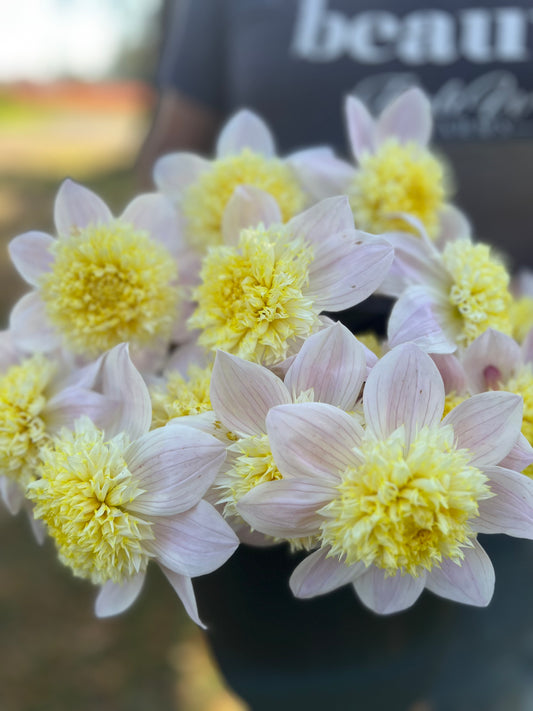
pixel 245 130
pixel 155 214
pixel 285 508
pixel 114 598
pixel 313 441
pixel 452 372
pixel 520 456
pixel 347 268
pixel 413 320
pixel 453 225
pixel 182 585
pixel 388 594
pixel 511 510
pixel 37 526
pixel 319 574
pixel 12 494
pixel 194 542
pixel 73 402
pixel 242 393
pixel 122 383
pixel 415 262
pixel 30 327
pixel 320 172
pixel 328 217
pixel 31 255
pixel 77 207
pixel 407 118
pixel 470 582
pixel 184 356
pixel 527 347
pixel 174 466
pixel 247 207
pixel 9 354
pixel 360 126
pixel 490 360
pixel 488 425
pixel 174 172
pixel 403 388
pixel 333 363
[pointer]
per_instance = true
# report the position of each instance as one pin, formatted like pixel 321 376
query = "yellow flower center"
pixel 204 202
pixel 521 317
pixel 405 508
pixel 179 397
pixel 522 384
pixel 23 398
pixel 82 497
pixel 479 295
pixel 398 178
pixel 250 302
pixel 110 284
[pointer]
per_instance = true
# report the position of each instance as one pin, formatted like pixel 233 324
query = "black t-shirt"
pixel 293 61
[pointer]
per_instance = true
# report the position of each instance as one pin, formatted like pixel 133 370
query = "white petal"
pixel 520 456
pixel 487 425
pixel 319 574
pixel 386 595
pixel 330 216
pixel 173 173
pixel 490 360
pixel 285 508
pixel 193 543
pixel 73 402
pixel 403 388
pixel 413 320
pixel 30 327
pixel 407 118
pixel 415 262
pixel 453 225
pixel 114 598
pixel 511 510
pixel 471 582
pixel 320 172
pixel 452 372
pixel 333 363
pixel 174 466
pixel 360 125
pixel 247 207
pixel 182 584
pixel 31 255
pixel 245 130
pixel 155 214
pixel 12 494
pixel 9 354
pixel 242 393
pixel 77 207
pixel 313 441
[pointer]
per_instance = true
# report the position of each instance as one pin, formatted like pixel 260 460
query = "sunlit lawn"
pixel 54 655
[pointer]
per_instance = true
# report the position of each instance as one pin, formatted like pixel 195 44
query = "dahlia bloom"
pixel 397 505
pixel 102 281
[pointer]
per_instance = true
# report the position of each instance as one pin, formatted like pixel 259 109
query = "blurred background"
pixel 76 100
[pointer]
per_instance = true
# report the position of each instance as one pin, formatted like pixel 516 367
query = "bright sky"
pixel 46 39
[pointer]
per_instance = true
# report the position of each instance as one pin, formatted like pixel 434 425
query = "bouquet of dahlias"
pixel 172 385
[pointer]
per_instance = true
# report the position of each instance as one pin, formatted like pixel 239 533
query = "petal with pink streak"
pixel 245 130
pixel 174 172
pixel 313 441
pixel 285 508
pixel 452 372
pixel 174 466
pixel 520 456
pixel 415 262
pixel 30 327
pixel 77 207
pixel 388 594
pixel 247 207
pixel 361 127
pixel 403 388
pixel 31 255
pixel 329 216
pixel 242 393
pixel 333 363
pixel 347 268
pixel 407 118
pixel 490 360
pixel 114 598
pixel 155 214
pixel 194 542
pixel 488 425
pixel 413 320
pixel 470 582
pixel 320 172
pixel 510 511
pixel 182 585
pixel 73 402
pixel 319 574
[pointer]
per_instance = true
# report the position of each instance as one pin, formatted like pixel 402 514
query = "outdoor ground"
pixel 54 654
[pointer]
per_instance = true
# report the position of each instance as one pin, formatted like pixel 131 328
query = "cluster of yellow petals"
pixel 521 383
pixel 82 494
pixel 204 202
pixel 521 317
pixel 180 396
pixel 405 508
